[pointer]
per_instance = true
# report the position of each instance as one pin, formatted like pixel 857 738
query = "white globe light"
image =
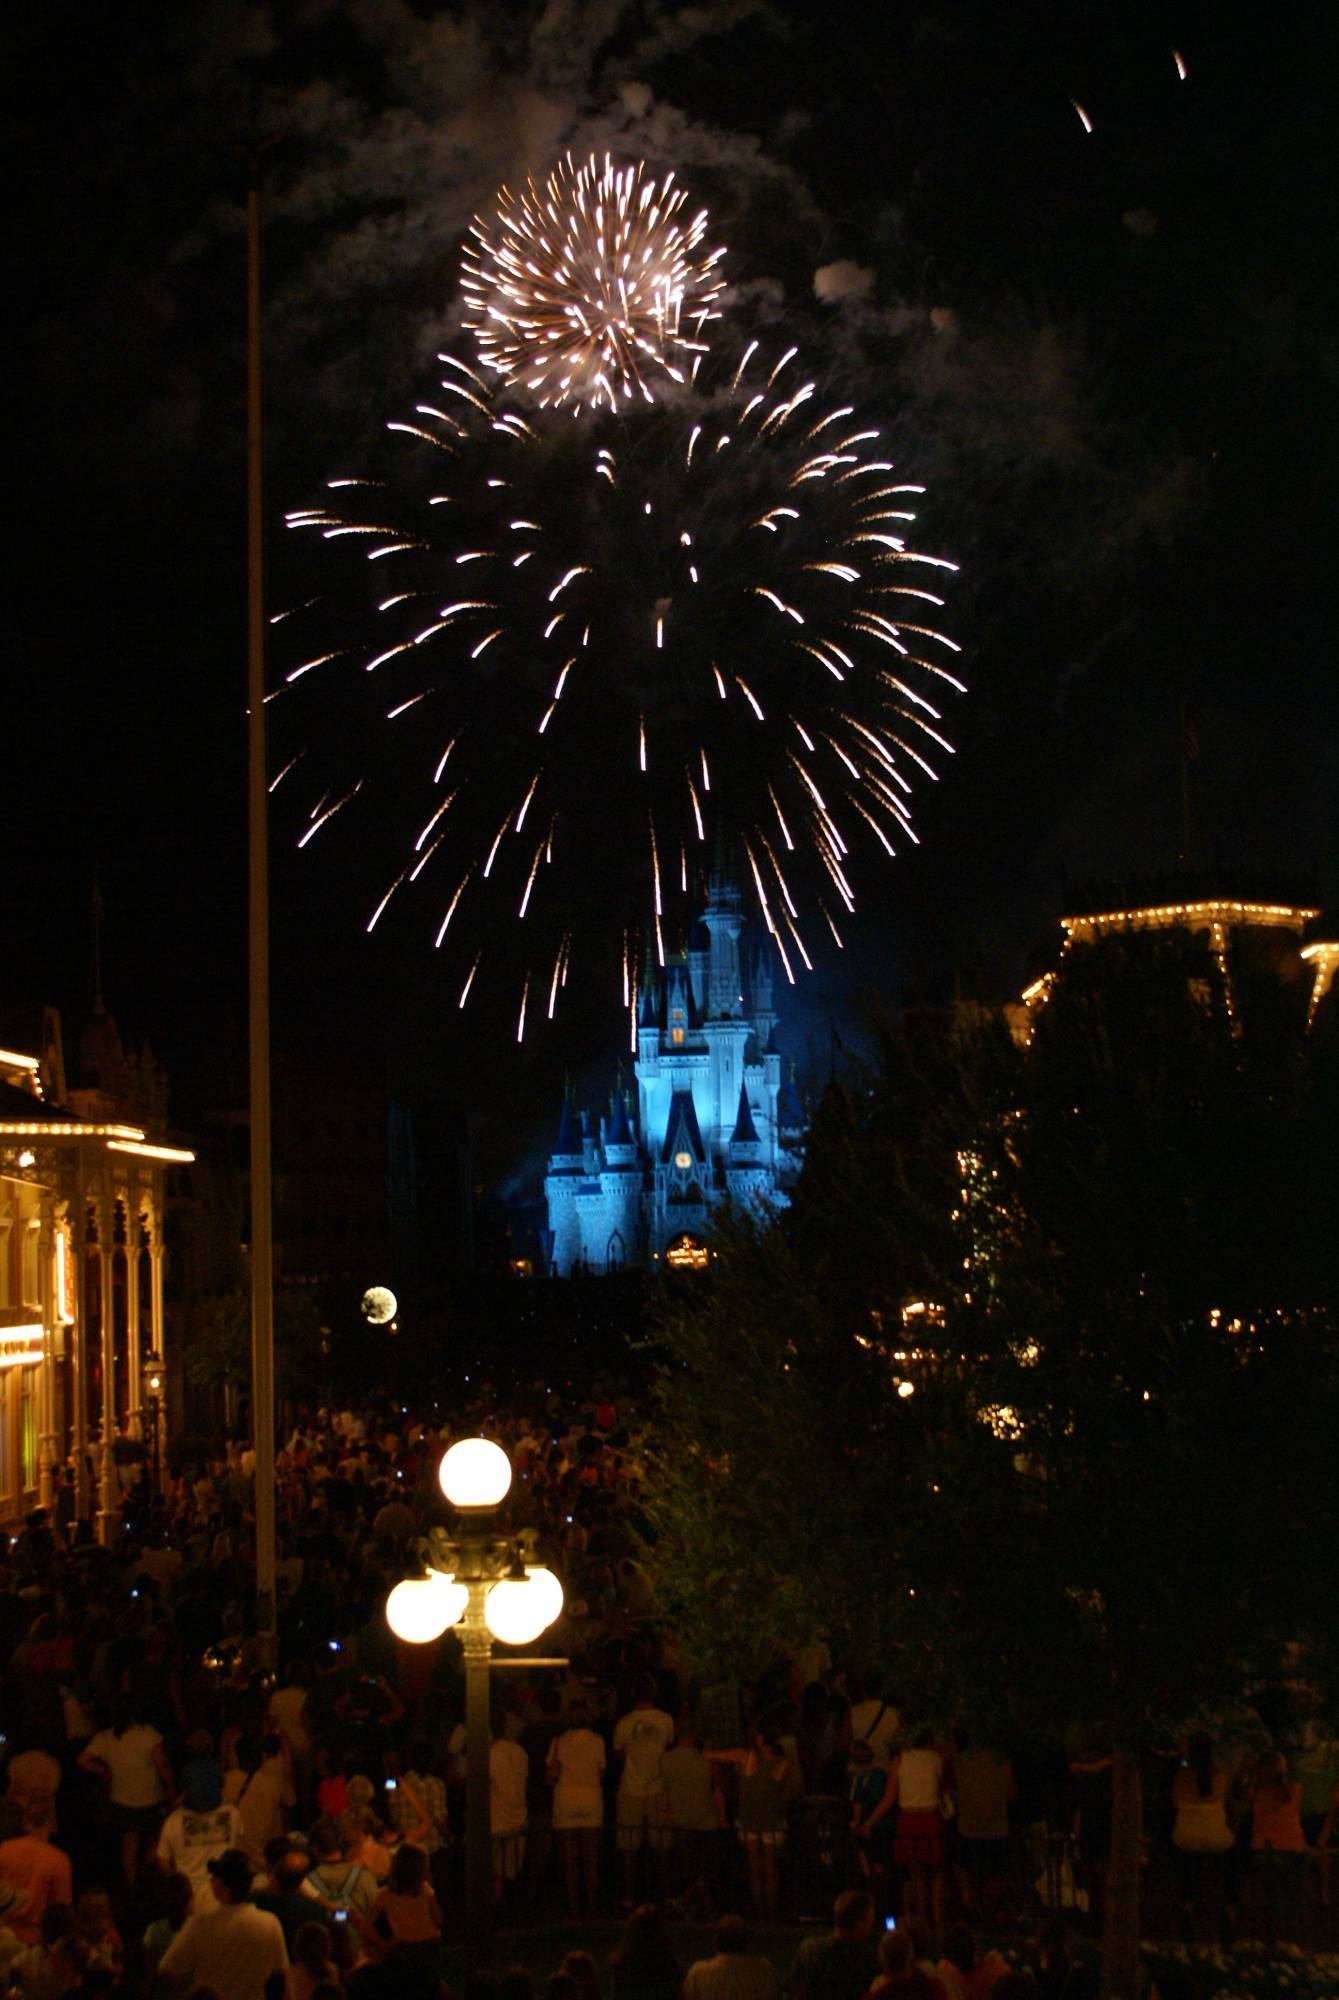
pixel 475 1473
pixel 550 1592
pixel 420 1609
pixel 378 1305
pixel 515 1612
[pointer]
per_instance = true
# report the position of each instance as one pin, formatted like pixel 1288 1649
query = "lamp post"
pixel 153 1396
pixel 490 1584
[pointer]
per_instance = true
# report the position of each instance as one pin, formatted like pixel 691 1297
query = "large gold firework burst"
pixel 582 291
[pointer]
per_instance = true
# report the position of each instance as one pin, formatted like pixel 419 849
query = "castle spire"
pixel 745 1132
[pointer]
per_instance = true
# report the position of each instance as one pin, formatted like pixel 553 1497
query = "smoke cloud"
pixel 845 280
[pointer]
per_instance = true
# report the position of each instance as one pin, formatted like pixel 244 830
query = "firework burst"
pixel 586 289
pixel 606 650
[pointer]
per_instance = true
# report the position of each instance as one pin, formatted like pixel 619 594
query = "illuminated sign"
pixel 20 1346
pixel 64 1276
pixel 686 1253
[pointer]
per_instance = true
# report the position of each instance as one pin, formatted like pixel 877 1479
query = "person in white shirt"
pixel 575 1769
pixel 260 1788
pixel 131 1758
pixel 232 1949
pixel 508 1778
pixel 201 1829
pixel 641 1738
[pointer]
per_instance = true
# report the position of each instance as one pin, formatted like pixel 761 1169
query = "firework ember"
pixel 607 649
pixel 586 289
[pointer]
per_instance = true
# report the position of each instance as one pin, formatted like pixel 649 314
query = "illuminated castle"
pixel 713 1120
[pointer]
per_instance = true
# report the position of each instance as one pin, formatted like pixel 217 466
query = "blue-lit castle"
pixel 713 1119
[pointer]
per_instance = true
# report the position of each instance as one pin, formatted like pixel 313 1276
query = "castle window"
pixel 676 1027
pixel 683 1161
pixel 616 1254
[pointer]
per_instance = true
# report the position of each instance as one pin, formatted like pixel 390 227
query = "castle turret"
pixel 620 1141
pixel 760 988
pixel 567 1167
pixel 724 921
pixel 746 1147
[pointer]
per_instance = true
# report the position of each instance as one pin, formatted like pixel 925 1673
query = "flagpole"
pixel 262 1242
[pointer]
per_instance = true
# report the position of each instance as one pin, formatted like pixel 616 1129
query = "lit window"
pixel 676 1036
pixel 686 1253
pixel 683 1161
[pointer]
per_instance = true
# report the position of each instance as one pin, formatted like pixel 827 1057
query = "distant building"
pixel 1284 934
pixel 713 1120
pixel 83 1192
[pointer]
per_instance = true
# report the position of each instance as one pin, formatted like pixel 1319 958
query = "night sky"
pixel 1100 351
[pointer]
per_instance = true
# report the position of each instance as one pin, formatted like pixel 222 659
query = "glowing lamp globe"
pixel 515 1612
pixel 420 1609
pixel 378 1305
pixel 475 1473
pixel 549 1590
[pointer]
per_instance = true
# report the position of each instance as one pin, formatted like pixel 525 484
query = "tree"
pixel 219 1348
pixel 1031 1395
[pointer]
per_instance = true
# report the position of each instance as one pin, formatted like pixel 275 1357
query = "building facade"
pixel 82 1200
pixel 1291 936
pixel 710 1119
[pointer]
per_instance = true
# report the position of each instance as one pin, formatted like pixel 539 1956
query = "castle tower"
pixel 707 1128
pixel 723 918
pixel 566 1173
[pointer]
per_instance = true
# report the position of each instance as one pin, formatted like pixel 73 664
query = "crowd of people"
pixel 177 1821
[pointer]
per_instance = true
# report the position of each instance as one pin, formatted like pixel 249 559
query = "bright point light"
pixel 1000 1418
pixel 517 1612
pixel 378 1305
pixel 475 1473
pixel 420 1609
pixel 905 1389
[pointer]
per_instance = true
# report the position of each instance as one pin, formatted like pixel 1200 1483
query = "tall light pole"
pixel 258 931
pixel 490 1585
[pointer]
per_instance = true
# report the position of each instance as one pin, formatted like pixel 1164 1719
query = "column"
pixel 477 1644
pixel 134 1237
pixel 46 1374
pixel 79 1244
pixel 157 1343
pixel 108 1488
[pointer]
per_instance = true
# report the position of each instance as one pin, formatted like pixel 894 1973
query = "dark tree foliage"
pixel 1104 1264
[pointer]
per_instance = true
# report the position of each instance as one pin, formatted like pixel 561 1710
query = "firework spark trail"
pixel 583 290
pixel 704 643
